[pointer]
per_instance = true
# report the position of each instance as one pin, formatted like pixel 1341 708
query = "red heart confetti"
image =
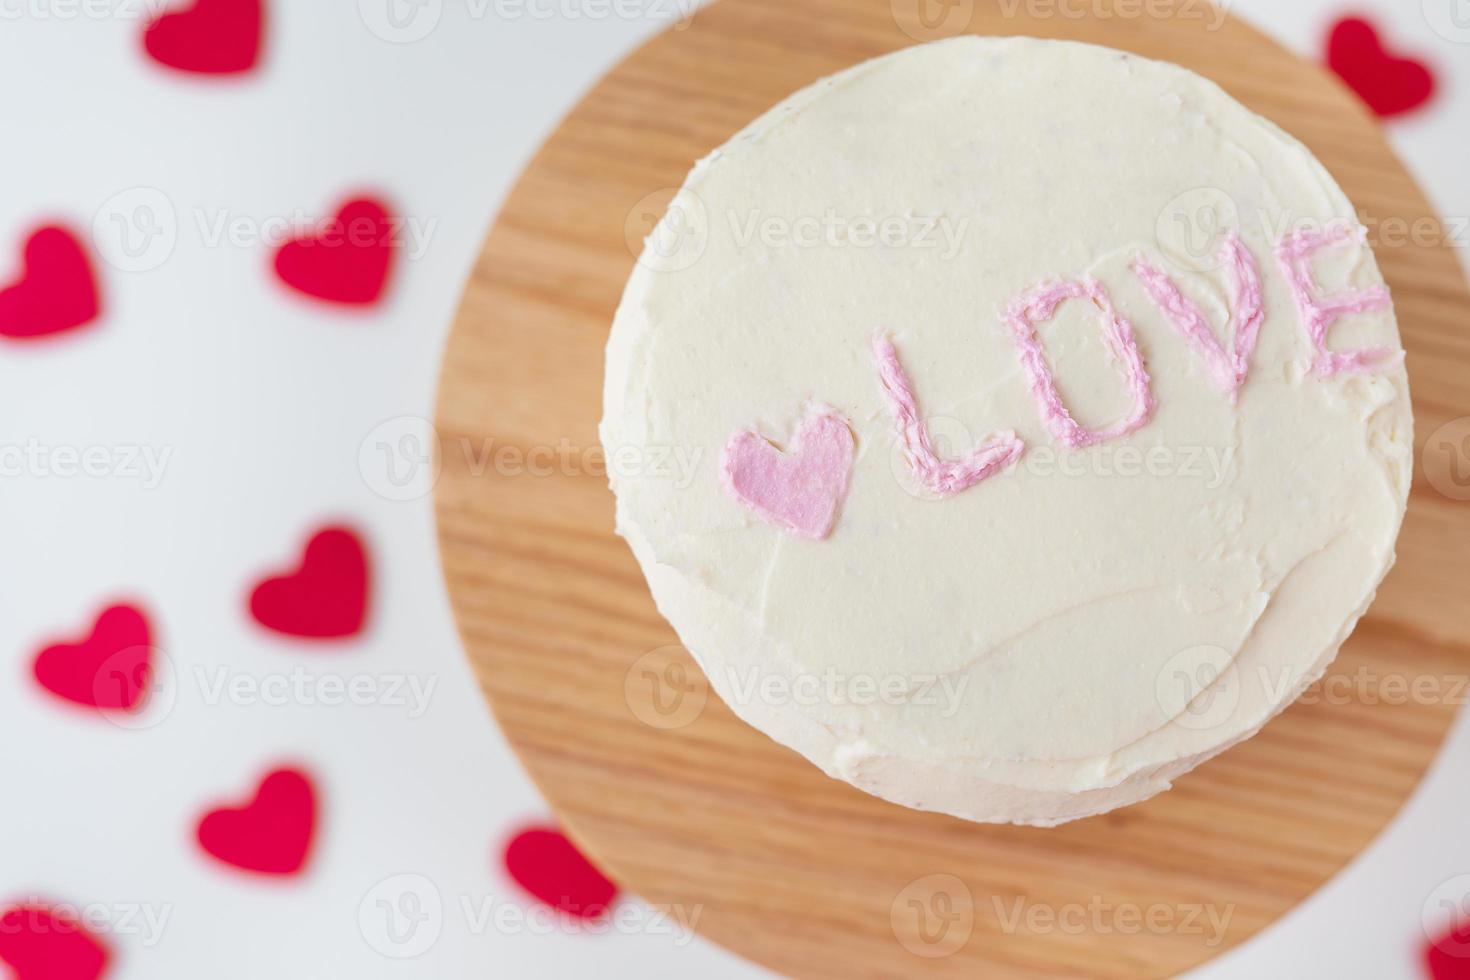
pixel 110 669
pixel 40 943
pixel 212 37
pixel 546 864
pixel 1390 85
pixel 272 833
pixel 1448 957
pixel 346 260
pixel 325 597
pixel 56 291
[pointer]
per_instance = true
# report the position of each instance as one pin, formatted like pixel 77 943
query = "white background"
pixel 263 402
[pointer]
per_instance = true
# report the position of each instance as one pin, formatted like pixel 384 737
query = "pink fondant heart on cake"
pixel 109 669
pixel 326 597
pixel 39 943
pixel 345 261
pixel 1390 85
pixel 55 292
pixel 272 833
pixel 211 37
pixel 800 490
pixel 546 864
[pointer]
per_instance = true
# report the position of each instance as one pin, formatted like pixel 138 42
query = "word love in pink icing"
pixel 1228 369
pixel 942 477
pixel 800 490
pixel 1040 305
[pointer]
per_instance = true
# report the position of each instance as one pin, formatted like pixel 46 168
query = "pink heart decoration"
pixel 546 864
pixel 209 37
pixel 1391 85
pixel 326 597
pixel 272 833
pixel 56 292
pixel 110 669
pixel 347 260
pixel 800 490
pixel 1448 957
pixel 39 943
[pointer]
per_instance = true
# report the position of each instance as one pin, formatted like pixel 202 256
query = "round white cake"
pixel 1041 422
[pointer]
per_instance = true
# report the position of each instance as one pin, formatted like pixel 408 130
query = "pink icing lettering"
pixel 1318 314
pixel 943 477
pixel 1228 370
pixel 1040 305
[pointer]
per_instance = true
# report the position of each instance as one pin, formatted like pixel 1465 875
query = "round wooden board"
pixel 689 807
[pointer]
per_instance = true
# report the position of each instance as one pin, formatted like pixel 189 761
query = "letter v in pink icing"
pixel 1294 252
pixel 1040 305
pixel 800 490
pixel 943 477
pixel 1228 370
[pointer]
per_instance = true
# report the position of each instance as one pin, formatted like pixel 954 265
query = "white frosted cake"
pixel 1047 424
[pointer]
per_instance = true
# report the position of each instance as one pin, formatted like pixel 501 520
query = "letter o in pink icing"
pixel 1040 305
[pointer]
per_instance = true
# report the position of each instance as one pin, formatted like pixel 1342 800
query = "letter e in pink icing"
pixel 1318 314
pixel 1228 370
pixel 943 477
pixel 1040 305
pixel 800 490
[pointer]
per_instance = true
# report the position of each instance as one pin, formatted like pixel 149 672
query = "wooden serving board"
pixel 687 806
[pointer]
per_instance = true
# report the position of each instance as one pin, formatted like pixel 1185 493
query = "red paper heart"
pixel 43 944
pixel 110 669
pixel 347 260
pixel 56 290
pixel 1389 84
pixel 213 37
pixel 326 597
pixel 1448 958
pixel 546 864
pixel 272 833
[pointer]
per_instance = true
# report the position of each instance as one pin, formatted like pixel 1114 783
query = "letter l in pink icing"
pixel 1040 305
pixel 1294 252
pixel 800 490
pixel 943 477
pixel 1228 370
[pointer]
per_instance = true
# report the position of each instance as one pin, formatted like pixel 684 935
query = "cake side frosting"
pixel 1113 495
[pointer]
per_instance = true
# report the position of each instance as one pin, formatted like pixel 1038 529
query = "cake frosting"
pixel 1051 425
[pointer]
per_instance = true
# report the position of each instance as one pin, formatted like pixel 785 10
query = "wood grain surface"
pixel 688 807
